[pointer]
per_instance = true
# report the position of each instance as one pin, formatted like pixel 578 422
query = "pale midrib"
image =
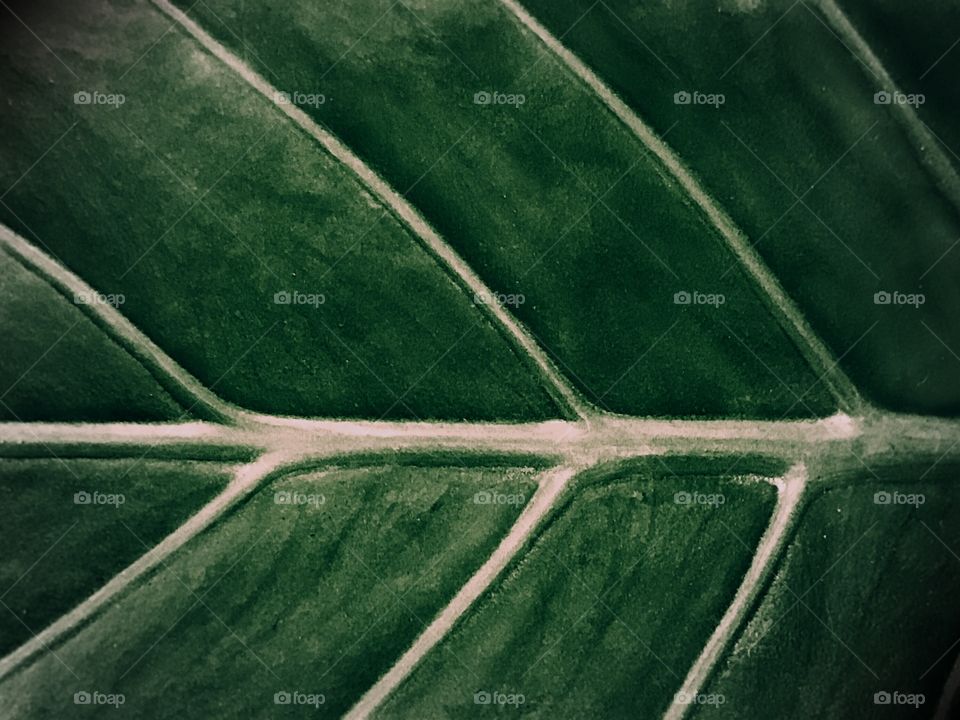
pixel 251 476
pixel 792 319
pixel 556 384
pixel 558 435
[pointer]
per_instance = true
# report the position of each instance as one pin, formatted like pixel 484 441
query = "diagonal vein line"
pixel 45 646
pixel 443 253
pixel 928 152
pixel 788 314
pixel 243 42
pixel 836 362
pixel 840 40
pixel 197 401
pixel 770 547
pixel 550 487
pixel 245 480
pixel 440 557
pixel 799 598
pixel 33 232
pixel 939 139
pixel 542 55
